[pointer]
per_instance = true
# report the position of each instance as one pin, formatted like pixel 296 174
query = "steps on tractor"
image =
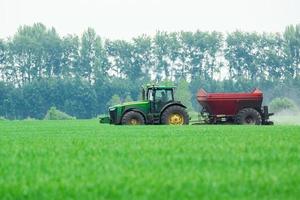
pixel 154 118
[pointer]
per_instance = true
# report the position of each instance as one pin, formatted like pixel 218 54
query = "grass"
pixel 85 160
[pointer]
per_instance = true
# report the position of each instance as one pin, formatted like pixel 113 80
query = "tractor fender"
pixel 133 109
pixel 178 103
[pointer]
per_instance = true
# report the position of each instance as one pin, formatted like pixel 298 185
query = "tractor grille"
pixel 113 115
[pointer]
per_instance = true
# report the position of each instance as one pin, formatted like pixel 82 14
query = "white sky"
pixel 124 19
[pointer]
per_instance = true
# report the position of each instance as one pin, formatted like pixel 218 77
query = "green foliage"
pixel 54 114
pixel 81 159
pixel 80 74
pixel 166 82
pixel 29 119
pixel 93 59
pixel 128 99
pixel 183 94
pixel 283 104
pixel 292 38
pixel 115 99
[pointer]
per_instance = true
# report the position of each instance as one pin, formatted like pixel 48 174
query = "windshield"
pixel 164 95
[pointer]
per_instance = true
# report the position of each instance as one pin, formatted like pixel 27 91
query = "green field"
pixel 85 160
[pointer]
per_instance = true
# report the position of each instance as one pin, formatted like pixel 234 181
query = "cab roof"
pixel 159 86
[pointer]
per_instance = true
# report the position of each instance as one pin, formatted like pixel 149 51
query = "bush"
pixel 29 119
pixel 283 104
pixel 2 118
pixel 54 114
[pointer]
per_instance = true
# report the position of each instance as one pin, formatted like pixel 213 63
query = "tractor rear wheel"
pixel 248 116
pixel 133 118
pixel 175 115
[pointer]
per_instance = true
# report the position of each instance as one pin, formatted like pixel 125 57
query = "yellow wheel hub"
pixel 176 119
pixel 134 122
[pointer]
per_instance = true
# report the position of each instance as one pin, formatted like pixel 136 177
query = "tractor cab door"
pixel 158 98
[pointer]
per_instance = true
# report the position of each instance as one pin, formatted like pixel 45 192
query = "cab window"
pixel 164 95
pixel 150 95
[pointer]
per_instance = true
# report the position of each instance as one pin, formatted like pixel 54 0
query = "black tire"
pixel 133 118
pixel 248 116
pixel 177 111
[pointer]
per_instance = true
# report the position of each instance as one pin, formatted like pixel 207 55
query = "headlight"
pixel 112 109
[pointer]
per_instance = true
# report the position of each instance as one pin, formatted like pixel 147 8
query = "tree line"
pixel 81 74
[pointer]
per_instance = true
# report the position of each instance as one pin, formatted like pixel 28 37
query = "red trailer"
pixel 239 108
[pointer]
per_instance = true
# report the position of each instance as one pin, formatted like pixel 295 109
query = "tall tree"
pixel 70 61
pixel 292 38
pixel 93 58
pixel 241 51
pixel 3 54
pixel 183 94
pixel 213 52
pixel 52 52
pixel 161 53
pixel 36 53
pixel 122 59
pixel 270 59
pixel 143 57
pixel 199 53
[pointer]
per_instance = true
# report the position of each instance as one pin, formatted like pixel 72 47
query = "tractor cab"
pixel 158 97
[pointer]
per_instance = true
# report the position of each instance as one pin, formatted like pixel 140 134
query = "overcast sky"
pixel 124 19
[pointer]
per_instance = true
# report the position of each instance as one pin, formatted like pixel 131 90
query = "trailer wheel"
pixel 175 115
pixel 133 118
pixel 248 116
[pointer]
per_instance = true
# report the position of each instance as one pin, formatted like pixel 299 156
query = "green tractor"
pixel 158 106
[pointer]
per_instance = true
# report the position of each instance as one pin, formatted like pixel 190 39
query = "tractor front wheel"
pixel 133 118
pixel 175 115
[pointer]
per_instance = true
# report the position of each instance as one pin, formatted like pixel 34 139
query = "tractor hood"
pixel 132 103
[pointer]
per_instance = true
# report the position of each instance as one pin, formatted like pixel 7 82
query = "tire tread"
pixel 171 109
pixel 245 111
